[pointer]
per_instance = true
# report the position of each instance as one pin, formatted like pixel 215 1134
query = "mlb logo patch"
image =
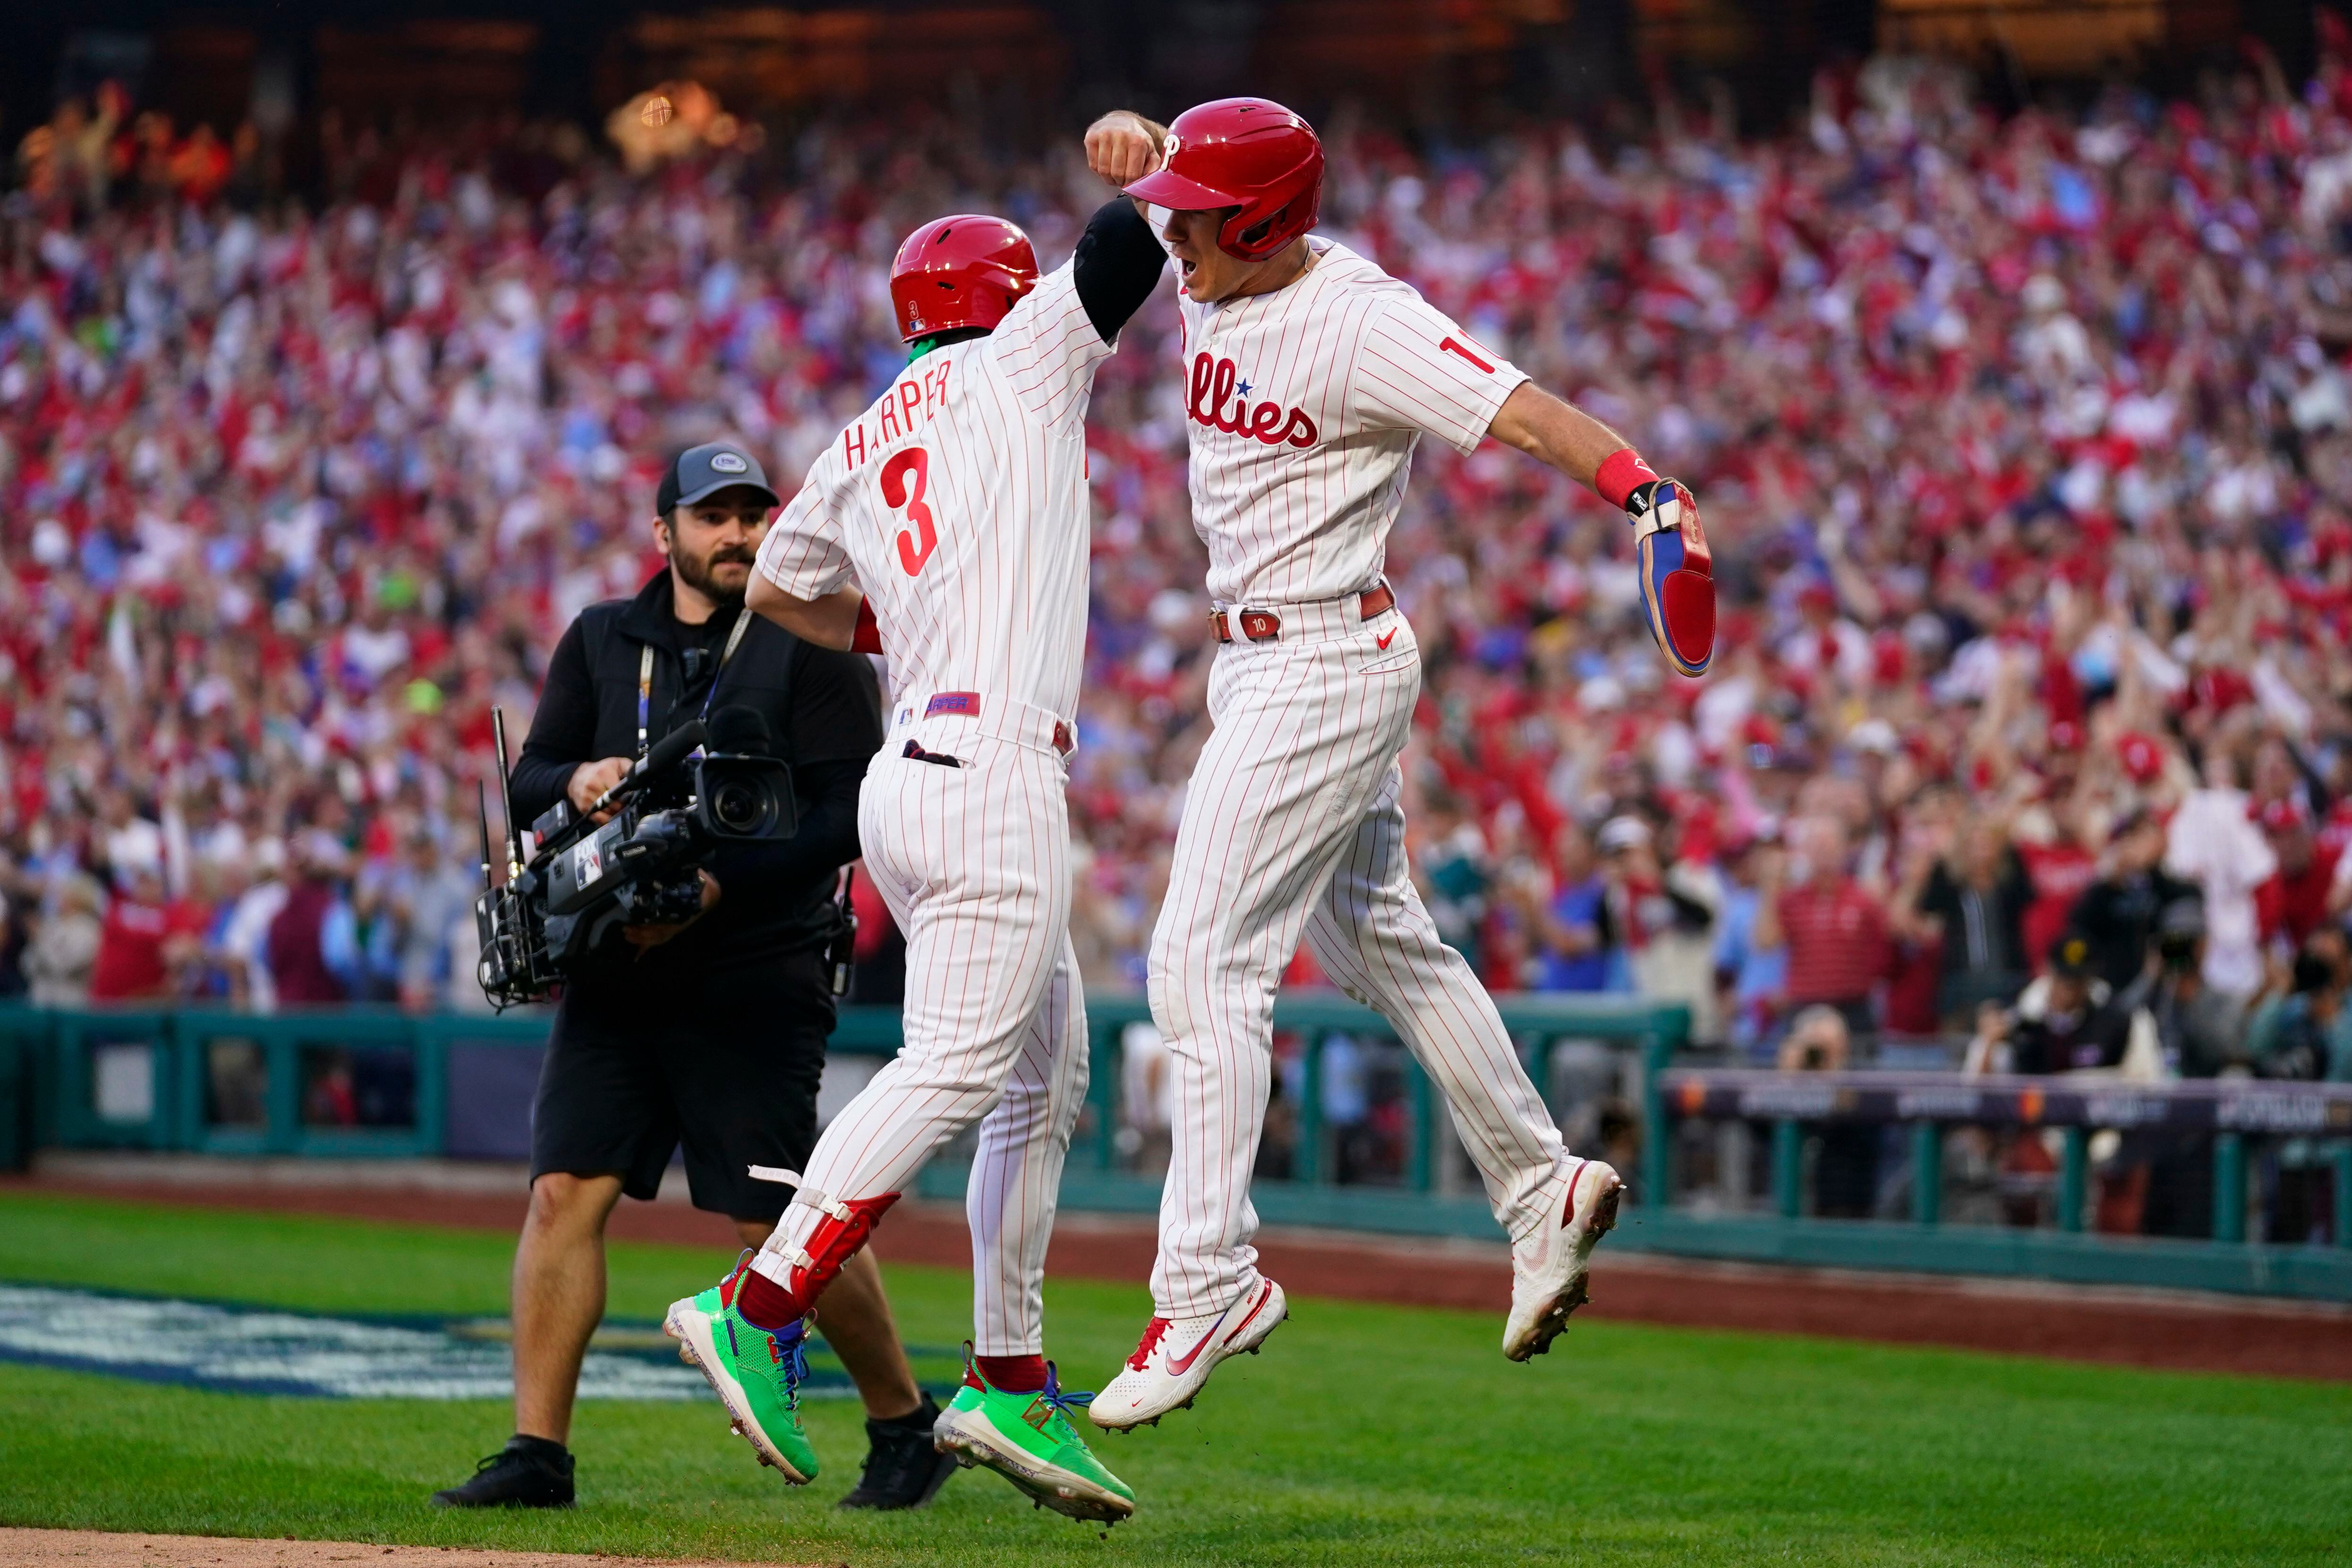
pixel 964 702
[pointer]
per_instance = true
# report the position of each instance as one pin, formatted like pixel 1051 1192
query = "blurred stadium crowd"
pixel 2025 446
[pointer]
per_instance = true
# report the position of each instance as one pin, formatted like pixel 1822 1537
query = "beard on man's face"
pixel 701 573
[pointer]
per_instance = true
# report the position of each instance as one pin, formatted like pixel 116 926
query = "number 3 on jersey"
pixel 904 478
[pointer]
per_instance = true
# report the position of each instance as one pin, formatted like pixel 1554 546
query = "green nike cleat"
pixel 1027 1439
pixel 757 1373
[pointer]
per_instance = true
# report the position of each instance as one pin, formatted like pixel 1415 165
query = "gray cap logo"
pixel 699 473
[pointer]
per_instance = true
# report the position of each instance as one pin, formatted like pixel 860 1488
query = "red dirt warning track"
pixel 2176 1330
pixel 101 1549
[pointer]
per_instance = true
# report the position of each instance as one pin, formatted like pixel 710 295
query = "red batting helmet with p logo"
pixel 966 271
pixel 1245 152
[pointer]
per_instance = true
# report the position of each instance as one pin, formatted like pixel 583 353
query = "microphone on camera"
pixel 667 752
pixel 671 748
pixel 741 732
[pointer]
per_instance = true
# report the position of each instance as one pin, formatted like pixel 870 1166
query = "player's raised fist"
pixel 1123 146
pixel 1677 571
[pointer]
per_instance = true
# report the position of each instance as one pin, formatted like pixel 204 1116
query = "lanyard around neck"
pixel 645 675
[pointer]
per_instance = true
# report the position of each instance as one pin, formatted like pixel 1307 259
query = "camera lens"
pixel 738 805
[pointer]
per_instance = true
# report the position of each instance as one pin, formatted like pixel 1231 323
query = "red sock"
pixel 1013 1374
pixel 768 1305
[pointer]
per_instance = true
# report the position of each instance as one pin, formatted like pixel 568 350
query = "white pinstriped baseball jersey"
pixel 959 502
pixel 1304 406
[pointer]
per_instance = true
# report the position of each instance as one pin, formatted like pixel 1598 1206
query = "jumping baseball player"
pixel 1310 376
pixel 957 501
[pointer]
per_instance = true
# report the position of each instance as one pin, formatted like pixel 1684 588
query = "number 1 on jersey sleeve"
pixel 1454 345
pixel 904 478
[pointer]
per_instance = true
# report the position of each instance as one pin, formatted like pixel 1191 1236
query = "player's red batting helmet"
pixel 961 271
pixel 1245 152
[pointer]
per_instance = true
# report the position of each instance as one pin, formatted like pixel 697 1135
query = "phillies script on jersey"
pixel 1216 380
pixel 1304 406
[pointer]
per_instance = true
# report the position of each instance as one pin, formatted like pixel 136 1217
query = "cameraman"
pixel 712 1031
pixel 2199 1033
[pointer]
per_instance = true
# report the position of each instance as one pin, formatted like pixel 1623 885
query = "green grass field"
pixel 1365 1435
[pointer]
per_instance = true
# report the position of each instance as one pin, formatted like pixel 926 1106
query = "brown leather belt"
pixel 1264 626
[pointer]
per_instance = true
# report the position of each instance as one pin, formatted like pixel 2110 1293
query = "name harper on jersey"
pixel 897 412
pixel 1215 381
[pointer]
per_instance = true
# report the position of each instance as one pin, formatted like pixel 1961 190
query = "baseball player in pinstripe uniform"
pixel 1310 376
pixel 958 504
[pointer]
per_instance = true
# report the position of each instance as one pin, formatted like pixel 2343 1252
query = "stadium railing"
pixel 359 1082
pixel 2230 1114
pixel 1420 1200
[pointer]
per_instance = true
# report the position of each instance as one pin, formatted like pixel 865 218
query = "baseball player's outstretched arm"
pixel 1677 569
pixel 1555 431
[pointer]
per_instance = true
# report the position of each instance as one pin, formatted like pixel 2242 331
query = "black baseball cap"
pixel 699 473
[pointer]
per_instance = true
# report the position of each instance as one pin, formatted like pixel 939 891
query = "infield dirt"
pixel 98 1549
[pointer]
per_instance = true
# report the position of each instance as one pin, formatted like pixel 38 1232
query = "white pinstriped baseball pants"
pixel 974 863
pixel 1292 827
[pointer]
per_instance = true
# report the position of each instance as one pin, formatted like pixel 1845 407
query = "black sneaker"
pixel 902 1469
pixel 529 1472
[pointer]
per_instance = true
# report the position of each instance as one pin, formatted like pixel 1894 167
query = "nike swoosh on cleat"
pixel 1383 640
pixel 1179 1368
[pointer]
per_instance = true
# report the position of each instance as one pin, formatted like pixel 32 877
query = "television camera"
pixel 634 858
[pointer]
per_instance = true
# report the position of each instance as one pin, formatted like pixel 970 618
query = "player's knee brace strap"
pixel 809 1197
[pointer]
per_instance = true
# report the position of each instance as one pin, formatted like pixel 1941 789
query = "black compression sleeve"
pixel 1117 265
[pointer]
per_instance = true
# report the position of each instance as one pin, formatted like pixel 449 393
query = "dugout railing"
pixel 358 1081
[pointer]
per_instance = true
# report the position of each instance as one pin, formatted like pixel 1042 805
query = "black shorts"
pixel 726 1063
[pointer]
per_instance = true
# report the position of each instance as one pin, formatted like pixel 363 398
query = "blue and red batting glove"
pixel 1677 571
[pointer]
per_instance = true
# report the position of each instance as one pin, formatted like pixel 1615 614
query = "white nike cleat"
pixel 1548 1269
pixel 1176 1355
